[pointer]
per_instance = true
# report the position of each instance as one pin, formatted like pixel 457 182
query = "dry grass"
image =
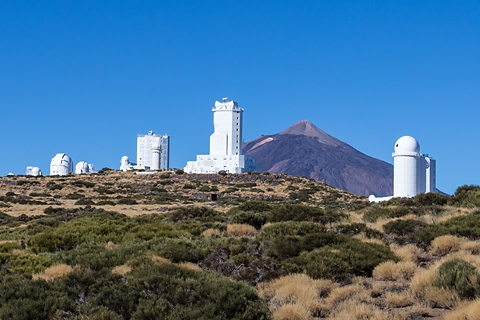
pixel 295 289
pixel 444 245
pixel 240 230
pixel 398 300
pixel 362 237
pixel 389 270
pixel 442 298
pixel 352 310
pixel 53 273
pixel 408 253
pixel 121 270
pixel 473 247
pixel 291 312
pixel 469 311
pixel 422 280
pixel 160 260
pixel 341 294
pixel 211 232
pixel 110 245
pixel 189 265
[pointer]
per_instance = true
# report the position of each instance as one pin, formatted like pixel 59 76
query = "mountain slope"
pixel 305 150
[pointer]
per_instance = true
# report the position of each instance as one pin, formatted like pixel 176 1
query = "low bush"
pixel 460 276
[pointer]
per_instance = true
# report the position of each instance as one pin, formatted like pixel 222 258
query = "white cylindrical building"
pixel 82 167
pixel 61 165
pixel 156 150
pixel 406 167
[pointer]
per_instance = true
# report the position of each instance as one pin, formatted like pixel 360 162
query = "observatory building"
pixel 153 151
pixel 33 171
pixel 413 172
pixel 61 165
pixel 83 167
pixel 225 143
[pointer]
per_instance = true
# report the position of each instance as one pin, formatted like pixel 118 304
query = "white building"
pixel 33 171
pixel 153 148
pixel 61 165
pixel 413 172
pixel 125 164
pixel 83 167
pixel 225 143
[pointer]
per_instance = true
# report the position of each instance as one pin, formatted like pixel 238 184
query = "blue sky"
pixel 85 77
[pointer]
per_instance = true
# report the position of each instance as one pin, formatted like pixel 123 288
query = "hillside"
pixel 117 245
pixel 305 150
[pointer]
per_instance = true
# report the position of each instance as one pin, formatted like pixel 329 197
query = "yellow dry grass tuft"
pixel 295 289
pixel 444 245
pixel 408 252
pixel 362 237
pixel 291 312
pixel 211 232
pixel 353 310
pixel 469 311
pixel 156 260
pixel 340 294
pixel 189 265
pixel 398 300
pixel 121 270
pixel 53 273
pixel 442 298
pixel 473 247
pixel 110 245
pixel 390 270
pixel 240 230
pixel 422 280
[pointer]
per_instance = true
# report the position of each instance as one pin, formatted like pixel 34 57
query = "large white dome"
pixel 407 144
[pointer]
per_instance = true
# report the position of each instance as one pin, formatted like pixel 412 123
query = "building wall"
pixel 144 150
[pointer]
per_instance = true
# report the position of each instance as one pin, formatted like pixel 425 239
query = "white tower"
pixel 156 151
pixel 225 143
pixel 227 122
pixel 144 150
pixel 406 169
pixel 61 165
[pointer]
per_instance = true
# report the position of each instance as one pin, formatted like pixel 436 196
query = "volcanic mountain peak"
pixel 306 128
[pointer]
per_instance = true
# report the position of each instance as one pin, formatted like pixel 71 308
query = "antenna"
pixel 225 99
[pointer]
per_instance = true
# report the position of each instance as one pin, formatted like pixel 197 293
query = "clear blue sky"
pixel 85 77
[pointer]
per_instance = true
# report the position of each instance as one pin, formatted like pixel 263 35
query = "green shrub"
pixel 200 213
pixel 337 261
pixel 467 195
pixel 299 212
pixel 255 219
pixel 74 196
pixel 84 202
pixel 289 228
pixel 24 263
pixel 357 228
pixel 128 201
pixel 373 213
pixel 460 276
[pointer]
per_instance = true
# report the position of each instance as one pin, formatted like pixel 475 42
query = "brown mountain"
pixel 305 150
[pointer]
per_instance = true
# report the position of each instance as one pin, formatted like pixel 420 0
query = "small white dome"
pixel 407 144
pixel 124 159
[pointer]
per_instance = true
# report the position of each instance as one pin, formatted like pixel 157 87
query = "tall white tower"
pixel 413 172
pixel 406 168
pixel 227 122
pixel 225 143
pixel 156 151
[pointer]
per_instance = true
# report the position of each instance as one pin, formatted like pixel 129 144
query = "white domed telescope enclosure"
pixel 61 165
pixel 413 172
pixel 33 171
pixel 83 168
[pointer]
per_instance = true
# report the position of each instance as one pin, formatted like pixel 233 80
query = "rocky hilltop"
pixel 305 150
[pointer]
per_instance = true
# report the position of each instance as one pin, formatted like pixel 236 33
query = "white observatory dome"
pixel 125 159
pixel 407 144
pixel 61 165
pixel 125 164
pixel 82 167
pixel 36 171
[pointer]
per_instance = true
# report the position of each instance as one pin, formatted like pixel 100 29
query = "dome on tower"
pixel 407 144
